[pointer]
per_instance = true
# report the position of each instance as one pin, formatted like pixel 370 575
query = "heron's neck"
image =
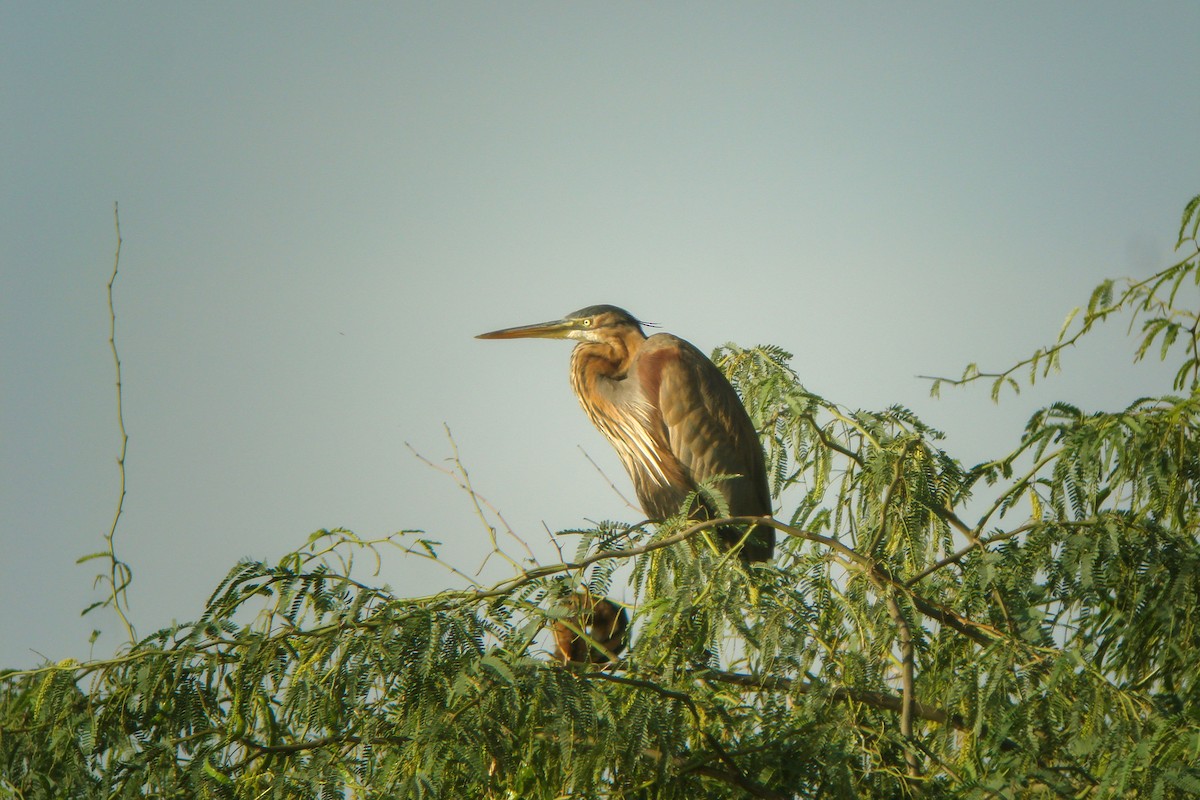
pixel 609 359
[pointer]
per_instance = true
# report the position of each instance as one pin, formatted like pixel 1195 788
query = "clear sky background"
pixel 323 203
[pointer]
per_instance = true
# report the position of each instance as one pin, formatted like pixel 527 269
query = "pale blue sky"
pixel 322 204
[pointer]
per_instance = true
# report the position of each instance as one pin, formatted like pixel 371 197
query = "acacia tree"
pixel 1028 626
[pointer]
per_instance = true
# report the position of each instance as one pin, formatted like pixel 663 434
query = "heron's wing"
pixel 706 426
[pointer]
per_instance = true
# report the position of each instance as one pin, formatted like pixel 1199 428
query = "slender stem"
pixel 120 575
pixel 907 681
pixel 958 555
pixel 1049 353
pixel 604 475
pixel 1019 485
pixel 977 632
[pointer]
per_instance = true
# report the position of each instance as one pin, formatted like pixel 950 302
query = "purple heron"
pixel 602 620
pixel 671 415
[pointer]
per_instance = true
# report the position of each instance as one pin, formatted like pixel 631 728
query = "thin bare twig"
pixel 463 480
pixel 120 575
pixel 609 480
pixel 426 553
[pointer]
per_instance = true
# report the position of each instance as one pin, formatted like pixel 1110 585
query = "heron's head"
pixel 591 324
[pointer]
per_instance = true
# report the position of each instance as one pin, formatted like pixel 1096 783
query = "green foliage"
pixel 1025 627
pixel 1167 325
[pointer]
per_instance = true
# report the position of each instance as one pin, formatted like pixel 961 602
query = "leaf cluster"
pixel 1168 322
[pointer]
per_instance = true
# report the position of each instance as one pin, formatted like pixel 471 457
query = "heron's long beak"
pixel 558 329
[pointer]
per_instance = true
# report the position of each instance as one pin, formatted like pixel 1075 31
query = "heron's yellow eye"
pixel 587 323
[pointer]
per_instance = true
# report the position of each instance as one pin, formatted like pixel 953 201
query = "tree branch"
pixel 907 681
pixel 880 700
pixel 119 575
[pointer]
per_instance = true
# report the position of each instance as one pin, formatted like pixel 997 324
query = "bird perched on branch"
pixel 671 415
pixel 605 623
